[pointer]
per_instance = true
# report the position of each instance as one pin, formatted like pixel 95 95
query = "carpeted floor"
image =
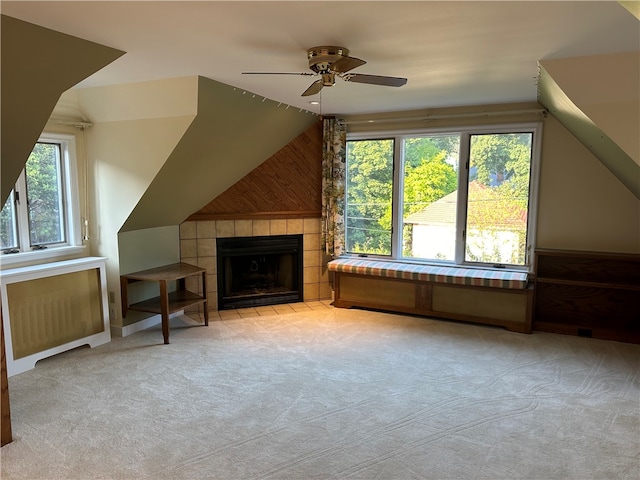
pixel 330 394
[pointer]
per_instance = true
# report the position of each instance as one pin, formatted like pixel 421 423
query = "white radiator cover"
pixel 51 308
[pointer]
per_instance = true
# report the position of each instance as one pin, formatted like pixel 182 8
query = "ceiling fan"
pixel 330 62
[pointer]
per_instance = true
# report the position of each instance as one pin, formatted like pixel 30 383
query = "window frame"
pixel 71 201
pixel 465 132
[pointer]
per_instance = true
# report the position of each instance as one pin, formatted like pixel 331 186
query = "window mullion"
pixel 63 179
pixel 534 176
pixel 22 213
pixel 463 195
pixel 397 197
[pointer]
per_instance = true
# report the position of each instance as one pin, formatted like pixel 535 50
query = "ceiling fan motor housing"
pixel 321 58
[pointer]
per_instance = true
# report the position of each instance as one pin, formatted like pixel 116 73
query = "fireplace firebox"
pixel 254 271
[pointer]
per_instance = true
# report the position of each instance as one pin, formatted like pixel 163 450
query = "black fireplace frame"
pixel 259 245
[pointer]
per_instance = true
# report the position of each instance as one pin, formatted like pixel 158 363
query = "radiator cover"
pixel 51 308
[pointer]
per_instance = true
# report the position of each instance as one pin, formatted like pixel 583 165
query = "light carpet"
pixel 330 394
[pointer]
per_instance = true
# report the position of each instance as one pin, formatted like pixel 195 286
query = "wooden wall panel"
pixel 5 416
pixel 589 294
pixel 288 184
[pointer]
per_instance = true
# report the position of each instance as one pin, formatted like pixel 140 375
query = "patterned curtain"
pixel 333 178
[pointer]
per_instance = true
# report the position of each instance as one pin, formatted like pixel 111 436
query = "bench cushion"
pixel 476 277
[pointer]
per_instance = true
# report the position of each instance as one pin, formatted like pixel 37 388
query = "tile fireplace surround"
pixel 198 247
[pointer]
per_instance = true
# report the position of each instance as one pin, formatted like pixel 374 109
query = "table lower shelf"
pixel 178 300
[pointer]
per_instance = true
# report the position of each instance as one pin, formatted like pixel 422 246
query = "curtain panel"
pixel 333 185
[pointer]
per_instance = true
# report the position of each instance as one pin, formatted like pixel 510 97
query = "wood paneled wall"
pixel 288 184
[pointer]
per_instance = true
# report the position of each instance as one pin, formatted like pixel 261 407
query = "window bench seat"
pixel 492 297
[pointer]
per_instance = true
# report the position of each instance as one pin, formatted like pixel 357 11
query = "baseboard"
pixel 125 331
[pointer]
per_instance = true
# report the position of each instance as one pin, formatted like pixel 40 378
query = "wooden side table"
pixel 167 302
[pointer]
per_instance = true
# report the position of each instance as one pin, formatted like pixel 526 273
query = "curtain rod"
pixel 425 118
pixel 72 123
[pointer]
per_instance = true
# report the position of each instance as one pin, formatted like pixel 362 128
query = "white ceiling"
pixel 453 53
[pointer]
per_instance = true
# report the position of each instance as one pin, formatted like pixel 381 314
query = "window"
pixel 41 212
pixel 458 197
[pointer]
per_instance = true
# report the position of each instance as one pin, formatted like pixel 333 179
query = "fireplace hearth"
pixel 254 271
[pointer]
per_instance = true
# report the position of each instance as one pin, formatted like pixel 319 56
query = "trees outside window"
pixel 39 213
pixel 498 198
pixel 369 188
pixel 459 197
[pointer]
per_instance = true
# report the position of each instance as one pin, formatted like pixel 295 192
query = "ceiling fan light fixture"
pixel 328 79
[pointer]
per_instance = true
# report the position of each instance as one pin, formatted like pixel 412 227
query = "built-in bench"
pixel 488 296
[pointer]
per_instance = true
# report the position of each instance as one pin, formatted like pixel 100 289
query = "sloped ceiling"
pixel 598 100
pixel 29 91
pixel 231 135
pixel 633 6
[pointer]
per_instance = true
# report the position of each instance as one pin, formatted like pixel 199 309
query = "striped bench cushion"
pixel 476 277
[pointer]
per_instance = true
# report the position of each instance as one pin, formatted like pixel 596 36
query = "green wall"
pixel 232 133
pixel 29 88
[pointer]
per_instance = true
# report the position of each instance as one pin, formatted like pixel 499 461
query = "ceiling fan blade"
pixel 345 64
pixel 314 88
pixel 375 79
pixel 306 74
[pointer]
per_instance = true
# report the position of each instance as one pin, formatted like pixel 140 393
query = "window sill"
pixel 40 256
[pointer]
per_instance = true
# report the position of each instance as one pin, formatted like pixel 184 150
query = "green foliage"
pixel 7 225
pixel 503 159
pixel 43 187
pixel 499 205
pixel 430 180
pixel 370 183
pixel 428 177
pixel 43 195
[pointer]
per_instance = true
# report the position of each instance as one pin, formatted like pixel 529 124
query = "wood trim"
pixel 423 296
pixel 601 333
pixel 255 215
pixel 423 305
pixel 589 294
pixel 6 435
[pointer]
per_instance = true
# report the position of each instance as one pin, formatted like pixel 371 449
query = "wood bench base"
pixel 508 308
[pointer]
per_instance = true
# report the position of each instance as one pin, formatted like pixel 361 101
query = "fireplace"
pixel 255 271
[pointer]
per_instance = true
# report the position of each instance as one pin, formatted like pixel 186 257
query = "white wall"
pixel 140 250
pixel 582 205
pixel 135 129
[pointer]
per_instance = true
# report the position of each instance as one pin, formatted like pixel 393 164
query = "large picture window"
pixel 458 197
pixel 41 211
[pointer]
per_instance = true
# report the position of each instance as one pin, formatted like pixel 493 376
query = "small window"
pixel 41 211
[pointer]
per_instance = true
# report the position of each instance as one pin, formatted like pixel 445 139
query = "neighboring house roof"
pixel 443 211
pixel 440 212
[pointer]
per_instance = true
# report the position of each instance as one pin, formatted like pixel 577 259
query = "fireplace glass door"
pixel 255 271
